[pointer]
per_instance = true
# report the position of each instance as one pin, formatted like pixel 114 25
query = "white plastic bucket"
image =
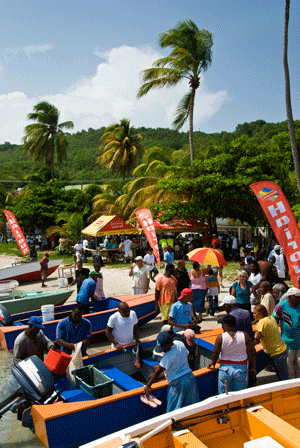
pixel 47 312
pixel 61 282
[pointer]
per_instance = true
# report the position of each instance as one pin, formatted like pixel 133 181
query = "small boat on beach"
pixel 22 301
pixel 265 416
pixel 142 304
pixel 83 417
pixel 27 271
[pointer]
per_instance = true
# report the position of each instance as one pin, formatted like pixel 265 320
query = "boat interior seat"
pixel 71 392
pixel 149 361
pixel 120 378
pixel 18 323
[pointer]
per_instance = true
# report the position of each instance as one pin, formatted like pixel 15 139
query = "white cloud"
pixel 109 96
pixel 30 49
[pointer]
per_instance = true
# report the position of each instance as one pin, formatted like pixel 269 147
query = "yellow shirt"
pixel 271 339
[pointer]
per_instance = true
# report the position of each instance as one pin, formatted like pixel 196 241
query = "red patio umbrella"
pixel 206 255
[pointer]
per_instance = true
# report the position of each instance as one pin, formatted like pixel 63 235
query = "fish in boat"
pixel 82 417
pixel 142 304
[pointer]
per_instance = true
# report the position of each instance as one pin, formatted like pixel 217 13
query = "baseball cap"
pixel 293 292
pixel 185 292
pixel 37 322
pixel 166 328
pixel 190 337
pixel 228 300
pixel 93 273
pixel 169 247
pixel 47 254
pixel 163 339
pixel 277 247
pixel 249 259
pixel 138 258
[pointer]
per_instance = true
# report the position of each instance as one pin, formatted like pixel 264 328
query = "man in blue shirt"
pixel 72 330
pixel 169 256
pixel 182 312
pixel 87 291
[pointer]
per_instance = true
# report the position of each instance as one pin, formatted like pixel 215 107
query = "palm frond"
pixel 183 111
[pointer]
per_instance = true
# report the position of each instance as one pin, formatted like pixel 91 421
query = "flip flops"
pixel 150 400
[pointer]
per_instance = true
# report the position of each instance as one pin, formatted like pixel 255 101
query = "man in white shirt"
pixel 122 327
pixel 141 276
pixel 279 261
pixel 149 260
pixel 127 250
pixel 78 251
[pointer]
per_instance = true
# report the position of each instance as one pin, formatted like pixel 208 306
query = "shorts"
pixel 154 270
pixel 128 254
pixel 165 309
pixel 44 273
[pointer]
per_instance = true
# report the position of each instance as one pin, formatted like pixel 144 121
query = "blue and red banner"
pixel 283 223
pixel 145 218
pixel 17 232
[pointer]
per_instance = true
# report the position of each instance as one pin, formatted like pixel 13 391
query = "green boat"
pixel 21 301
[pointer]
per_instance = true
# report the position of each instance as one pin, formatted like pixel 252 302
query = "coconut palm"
pixel 46 137
pixel 122 148
pixel 70 226
pixel 191 54
pixel 288 102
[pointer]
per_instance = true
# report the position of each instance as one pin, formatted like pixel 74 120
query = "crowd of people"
pixel 260 309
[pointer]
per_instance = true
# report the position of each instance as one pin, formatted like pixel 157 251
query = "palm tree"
pixel 45 137
pixel 191 54
pixel 122 148
pixel 288 102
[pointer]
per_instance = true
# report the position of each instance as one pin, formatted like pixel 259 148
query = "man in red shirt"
pixel 214 241
pixel 44 268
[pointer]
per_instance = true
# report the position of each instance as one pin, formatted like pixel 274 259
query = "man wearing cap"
pixel 169 256
pixel 87 291
pixel 287 313
pixel 235 351
pixel 32 341
pixel 122 327
pixel 182 312
pixel 44 268
pixel 72 330
pixel 243 320
pixel 141 276
pixel 279 261
pixel 182 387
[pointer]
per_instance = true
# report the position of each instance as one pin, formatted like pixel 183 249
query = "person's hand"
pixel 211 365
pixel 187 326
pixel 147 390
pixel 72 347
pixel 133 265
pixel 119 347
pixel 156 308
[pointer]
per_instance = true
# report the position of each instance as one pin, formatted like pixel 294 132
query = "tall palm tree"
pixel 191 54
pixel 46 137
pixel 288 102
pixel 122 148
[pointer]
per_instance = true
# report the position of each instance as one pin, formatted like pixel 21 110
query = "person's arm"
pixel 46 342
pixel 172 323
pixel 216 352
pixel 111 339
pixel 157 295
pixel 65 344
pixel 257 337
pixel 147 282
pixel 131 270
pixel 136 334
pixel 18 352
pixel 233 293
pixel 250 353
pixel 154 379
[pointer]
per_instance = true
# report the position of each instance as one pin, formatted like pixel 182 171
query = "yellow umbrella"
pixel 206 255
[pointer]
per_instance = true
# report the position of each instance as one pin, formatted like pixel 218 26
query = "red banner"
pixel 17 232
pixel 283 223
pixel 145 218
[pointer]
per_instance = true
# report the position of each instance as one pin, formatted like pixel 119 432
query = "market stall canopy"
pixel 178 225
pixel 109 225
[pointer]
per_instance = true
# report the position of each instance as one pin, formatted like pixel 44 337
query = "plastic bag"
pixel 76 362
pixel 136 357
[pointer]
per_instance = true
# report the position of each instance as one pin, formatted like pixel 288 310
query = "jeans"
pixel 280 365
pixel 213 304
pixel 182 392
pixel 236 376
pixel 293 363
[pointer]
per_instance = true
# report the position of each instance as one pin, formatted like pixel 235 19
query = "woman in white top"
pixel 235 350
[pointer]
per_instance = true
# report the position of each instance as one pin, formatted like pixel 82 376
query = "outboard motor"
pixel 31 383
pixel 5 317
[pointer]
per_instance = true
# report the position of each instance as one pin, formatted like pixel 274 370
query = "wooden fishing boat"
pixel 82 418
pixel 265 416
pixel 142 304
pixel 21 301
pixel 27 272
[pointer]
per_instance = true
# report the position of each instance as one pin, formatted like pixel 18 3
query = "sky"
pixel 86 58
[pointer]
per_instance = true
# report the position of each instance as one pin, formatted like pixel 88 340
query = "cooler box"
pixel 93 381
pixel 57 361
